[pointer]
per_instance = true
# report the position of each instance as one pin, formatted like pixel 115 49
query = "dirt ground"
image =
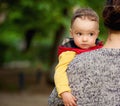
pixel 24 99
pixel 33 94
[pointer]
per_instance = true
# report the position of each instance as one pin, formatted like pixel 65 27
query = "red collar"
pixel 77 50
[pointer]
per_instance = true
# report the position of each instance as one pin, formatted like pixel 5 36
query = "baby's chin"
pixel 85 47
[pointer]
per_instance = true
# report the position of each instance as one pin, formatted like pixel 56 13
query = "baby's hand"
pixel 68 99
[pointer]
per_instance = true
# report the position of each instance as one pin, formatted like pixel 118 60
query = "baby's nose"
pixel 85 38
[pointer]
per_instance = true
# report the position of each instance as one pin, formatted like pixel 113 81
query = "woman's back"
pixel 95 78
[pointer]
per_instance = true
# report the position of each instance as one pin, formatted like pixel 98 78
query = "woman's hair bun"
pixel 111 14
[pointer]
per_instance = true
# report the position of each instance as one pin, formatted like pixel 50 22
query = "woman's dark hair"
pixel 111 14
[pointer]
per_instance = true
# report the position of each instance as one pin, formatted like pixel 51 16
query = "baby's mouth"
pixel 84 44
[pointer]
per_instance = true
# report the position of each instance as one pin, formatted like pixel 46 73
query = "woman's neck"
pixel 113 40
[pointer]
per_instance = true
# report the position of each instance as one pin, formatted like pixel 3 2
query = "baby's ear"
pixel 71 33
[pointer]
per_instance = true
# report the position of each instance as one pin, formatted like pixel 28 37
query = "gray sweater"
pixel 94 78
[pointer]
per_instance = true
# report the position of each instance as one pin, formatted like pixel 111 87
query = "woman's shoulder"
pixel 97 54
pixel 91 54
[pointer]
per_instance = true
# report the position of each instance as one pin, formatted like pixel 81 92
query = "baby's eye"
pixel 79 34
pixel 91 34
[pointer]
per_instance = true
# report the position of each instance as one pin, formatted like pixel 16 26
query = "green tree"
pixel 39 24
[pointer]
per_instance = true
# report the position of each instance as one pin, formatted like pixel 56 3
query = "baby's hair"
pixel 85 13
pixel 111 14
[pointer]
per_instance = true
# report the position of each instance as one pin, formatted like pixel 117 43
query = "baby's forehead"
pixel 85 22
pixel 82 20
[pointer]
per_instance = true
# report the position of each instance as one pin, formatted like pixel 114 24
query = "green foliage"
pixel 45 16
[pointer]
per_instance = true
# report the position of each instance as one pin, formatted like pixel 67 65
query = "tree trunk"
pixel 57 39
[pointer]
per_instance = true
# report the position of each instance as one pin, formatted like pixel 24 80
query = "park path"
pixel 35 95
pixel 23 99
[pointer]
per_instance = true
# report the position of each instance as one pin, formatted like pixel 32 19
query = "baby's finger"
pixel 74 98
pixel 73 103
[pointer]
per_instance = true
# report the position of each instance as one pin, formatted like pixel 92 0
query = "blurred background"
pixel 30 32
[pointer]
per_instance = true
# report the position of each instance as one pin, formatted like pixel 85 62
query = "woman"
pixel 94 77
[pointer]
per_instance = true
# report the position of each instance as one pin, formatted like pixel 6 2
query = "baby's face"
pixel 84 32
